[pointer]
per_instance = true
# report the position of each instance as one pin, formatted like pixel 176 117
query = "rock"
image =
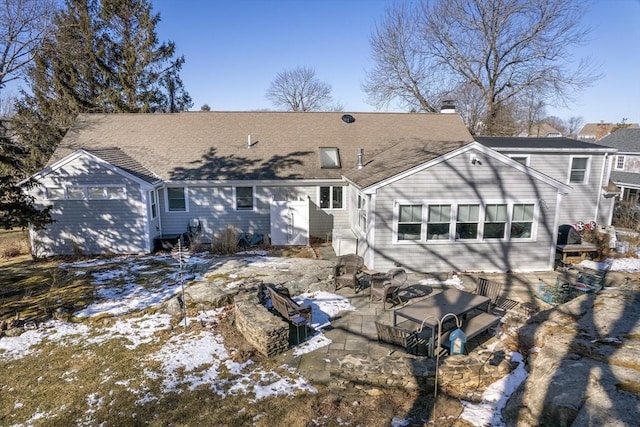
pixel 588 355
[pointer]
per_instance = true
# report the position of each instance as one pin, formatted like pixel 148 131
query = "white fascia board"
pixel 255 182
pixel 555 150
pixel 563 188
pixel 82 153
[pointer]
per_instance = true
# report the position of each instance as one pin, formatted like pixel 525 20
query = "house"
pixel 404 189
pixel 541 130
pixel 593 132
pixel 584 166
pixel 626 166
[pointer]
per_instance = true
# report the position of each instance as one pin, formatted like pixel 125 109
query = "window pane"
pixel 55 193
pixel 466 230
pixel 578 169
pixel 175 195
pixel 96 192
pixel 468 213
pixel 116 193
pixel 439 213
pixel 244 198
pixel 337 198
pixel 329 157
pixel 410 213
pixel 325 197
pixel 409 231
pixel 496 213
pixel 494 230
pixel 521 230
pixel 75 193
pixel 522 213
pixel 438 231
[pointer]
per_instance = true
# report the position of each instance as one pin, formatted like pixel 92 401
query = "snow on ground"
pixel 201 358
pixel 454 281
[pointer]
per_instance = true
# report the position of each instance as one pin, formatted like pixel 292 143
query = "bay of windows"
pixel 465 222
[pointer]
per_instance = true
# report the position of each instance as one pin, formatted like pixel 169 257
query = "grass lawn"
pixel 143 368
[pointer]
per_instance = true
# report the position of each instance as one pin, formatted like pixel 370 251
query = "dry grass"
pixel 14 243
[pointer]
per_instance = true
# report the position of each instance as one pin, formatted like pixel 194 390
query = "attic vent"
pixel 348 118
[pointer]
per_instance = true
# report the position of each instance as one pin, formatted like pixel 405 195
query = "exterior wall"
pixel 213 206
pixel 631 163
pixel 459 181
pixel 585 202
pixel 92 226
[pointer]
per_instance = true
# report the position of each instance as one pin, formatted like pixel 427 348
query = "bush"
pixel 225 242
pixel 626 215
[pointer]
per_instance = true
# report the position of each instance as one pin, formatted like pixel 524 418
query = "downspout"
pixel 599 189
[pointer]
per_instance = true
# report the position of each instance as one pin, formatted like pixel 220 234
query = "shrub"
pixel 13 247
pixel 225 242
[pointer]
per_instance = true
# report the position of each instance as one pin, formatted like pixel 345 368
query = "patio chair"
pixel 491 289
pixel 345 272
pixel 413 342
pixel 385 287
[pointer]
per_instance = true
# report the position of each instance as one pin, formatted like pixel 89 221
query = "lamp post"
pixel 458 339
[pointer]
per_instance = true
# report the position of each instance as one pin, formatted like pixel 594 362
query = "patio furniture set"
pixel 425 325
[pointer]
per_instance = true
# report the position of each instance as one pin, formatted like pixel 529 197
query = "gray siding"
pixel 458 180
pixel 585 202
pixel 92 226
pixel 213 206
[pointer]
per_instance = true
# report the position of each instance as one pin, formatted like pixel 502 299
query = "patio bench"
pixel 298 315
pixel 576 252
pixel 473 327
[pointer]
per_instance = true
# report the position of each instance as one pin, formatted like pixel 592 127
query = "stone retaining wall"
pixel 269 334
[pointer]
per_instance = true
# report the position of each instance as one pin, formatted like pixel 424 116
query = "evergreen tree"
pixel 102 56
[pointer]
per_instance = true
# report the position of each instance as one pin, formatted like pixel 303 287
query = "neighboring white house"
pixel 398 188
pixel 626 166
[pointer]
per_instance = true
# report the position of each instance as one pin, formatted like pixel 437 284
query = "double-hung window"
pixel 579 170
pixel 522 221
pixel 176 199
pixel 438 222
pixel 331 197
pixel 495 221
pixel 362 213
pixel 620 162
pixel 409 222
pixel 153 204
pixel 244 198
pixel 467 222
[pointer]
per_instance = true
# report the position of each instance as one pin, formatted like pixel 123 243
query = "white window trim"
pixel 453 221
pixel 527 158
pixel 85 192
pixel 359 210
pixel 618 159
pixel 166 199
pixel 153 200
pixel 331 187
pixel 253 196
pixel 587 171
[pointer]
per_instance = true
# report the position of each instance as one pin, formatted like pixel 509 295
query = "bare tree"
pixel 402 69
pixel 574 124
pixel 300 89
pixel 502 47
pixel 23 24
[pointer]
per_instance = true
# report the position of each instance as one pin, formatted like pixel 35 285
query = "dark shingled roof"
pixel 625 178
pixel 507 142
pixel 214 145
pixel 625 140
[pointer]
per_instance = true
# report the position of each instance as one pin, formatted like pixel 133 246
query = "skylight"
pixel 329 158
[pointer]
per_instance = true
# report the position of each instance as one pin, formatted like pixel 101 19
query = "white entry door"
pixel 290 223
